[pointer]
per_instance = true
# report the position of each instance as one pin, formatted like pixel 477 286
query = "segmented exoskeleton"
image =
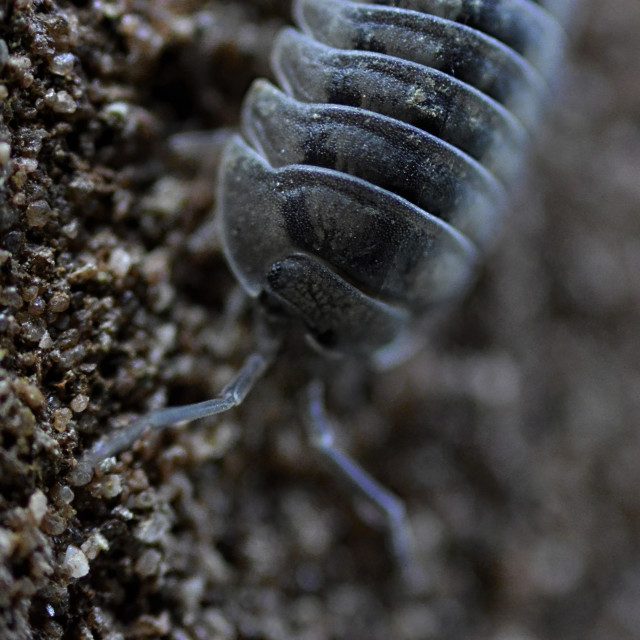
pixel 379 172
pixel 362 192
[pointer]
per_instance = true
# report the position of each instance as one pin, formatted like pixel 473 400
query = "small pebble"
pixel 61 418
pixel 153 529
pixel 45 342
pixel 81 475
pixel 148 625
pixel 37 506
pixel 59 302
pixel 111 486
pixel 120 262
pixel 75 562
pixel 64 103
pixel 94 544
pixel 5 149
pixel 53 524
pixel 38 213
pixel 29 393
pixel 148 563
pixel 79 403
pixel 62 64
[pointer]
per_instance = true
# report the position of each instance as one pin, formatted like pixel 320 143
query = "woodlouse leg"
pixel 231 396
pixel 321 436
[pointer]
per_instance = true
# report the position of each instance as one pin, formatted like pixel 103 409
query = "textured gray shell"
pixel 363 191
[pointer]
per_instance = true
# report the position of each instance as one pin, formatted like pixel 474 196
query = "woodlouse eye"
pixel 328 339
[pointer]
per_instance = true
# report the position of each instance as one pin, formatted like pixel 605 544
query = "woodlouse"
pixel 361 194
